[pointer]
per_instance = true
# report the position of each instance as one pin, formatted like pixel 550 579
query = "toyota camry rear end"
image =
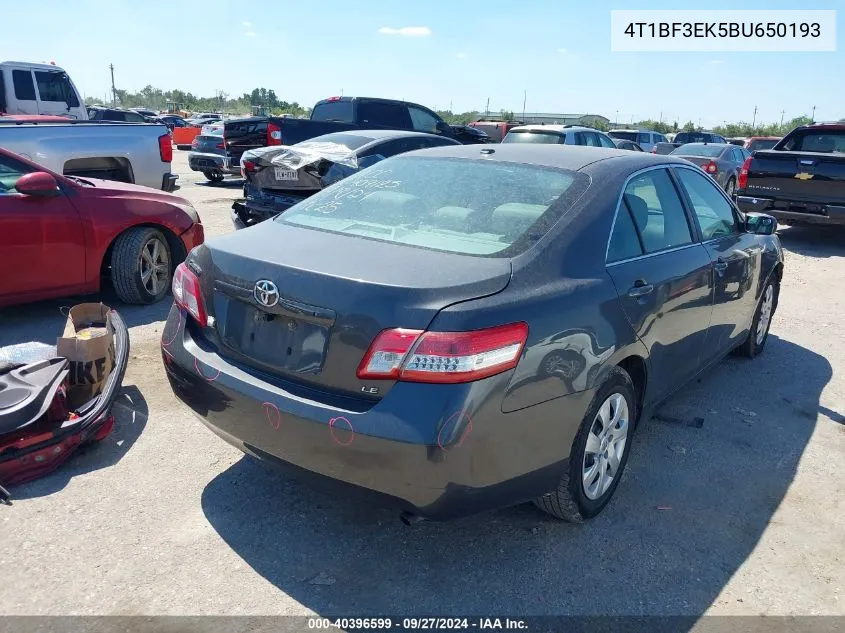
pixel 370 333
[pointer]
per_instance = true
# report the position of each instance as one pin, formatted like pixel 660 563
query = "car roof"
pixel 378 134
pixel 537 127
pixel 571 157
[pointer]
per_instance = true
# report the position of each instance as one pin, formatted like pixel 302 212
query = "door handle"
pixel 641 288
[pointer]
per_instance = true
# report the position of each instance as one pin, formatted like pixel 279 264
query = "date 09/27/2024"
pixel 415 624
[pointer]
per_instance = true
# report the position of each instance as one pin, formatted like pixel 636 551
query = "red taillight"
pixel 333 99
pixel 274 134
pixel 654 149
pixel 165 148
pixel 711 168
pixel 220 146
pixel 743 174
pixel 249 165
pixel 187 294
pixel 443 357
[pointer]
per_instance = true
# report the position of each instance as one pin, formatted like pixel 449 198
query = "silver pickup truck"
pixel 138 153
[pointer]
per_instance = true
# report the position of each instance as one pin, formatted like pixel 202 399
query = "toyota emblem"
pixel 266 293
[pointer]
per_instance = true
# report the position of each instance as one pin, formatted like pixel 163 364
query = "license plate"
pixel 285 174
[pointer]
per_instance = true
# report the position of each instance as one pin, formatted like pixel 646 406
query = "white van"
pixel 644 138
pixel 27 88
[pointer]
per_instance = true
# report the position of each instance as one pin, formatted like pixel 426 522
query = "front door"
pixel 735 255
pixel 42 246
pixel 663 278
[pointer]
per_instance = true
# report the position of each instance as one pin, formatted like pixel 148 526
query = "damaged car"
pixel 278 177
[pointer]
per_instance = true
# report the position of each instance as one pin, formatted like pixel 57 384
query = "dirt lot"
pixel 741 514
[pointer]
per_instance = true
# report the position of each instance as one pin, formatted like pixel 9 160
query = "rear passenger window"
pixel 24 87
pixel 715 214
pixel 605 141
pixel 656 209
pixel 391 116
pixel 624 241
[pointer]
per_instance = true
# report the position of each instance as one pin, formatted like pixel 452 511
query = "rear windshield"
pixel 628 136
pixel 471 207
pixel 694 137
pixel 825 142
pixel 349 141
pixel 340 111
pixel 532 136
pixel 762 144
pixel 708 151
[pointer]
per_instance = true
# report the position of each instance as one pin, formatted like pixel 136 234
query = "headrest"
pixel 639 209
pixel 453 218
pixel 402 203
pixel 515 217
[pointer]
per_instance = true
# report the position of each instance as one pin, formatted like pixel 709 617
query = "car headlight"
pixel 189 209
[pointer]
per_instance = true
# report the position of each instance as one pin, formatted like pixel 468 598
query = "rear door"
pixel 735 255
pixel 24 93
pixel 663 277
pixel 41 239
pixel 383 115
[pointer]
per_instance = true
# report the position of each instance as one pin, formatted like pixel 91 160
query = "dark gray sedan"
pixel 721 161
pixel 469 327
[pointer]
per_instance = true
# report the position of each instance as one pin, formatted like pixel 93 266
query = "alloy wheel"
pixel 605 446
pixel 155 266
pixel 765 314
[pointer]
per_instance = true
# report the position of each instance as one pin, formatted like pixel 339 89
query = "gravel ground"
pixel 743 514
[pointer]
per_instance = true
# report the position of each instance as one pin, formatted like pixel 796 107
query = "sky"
pixel 555 54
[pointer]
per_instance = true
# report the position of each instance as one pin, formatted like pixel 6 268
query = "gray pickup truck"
pixel 138 153
pixel 682 138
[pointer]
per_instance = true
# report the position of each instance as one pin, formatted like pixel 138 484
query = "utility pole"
pixel 754 122
pixel 813 116
pixel 450 106
pixel 113 91
pixel 661 117
pixel 616 120
pixel 524 100
pixel 487 108
pixel 782 112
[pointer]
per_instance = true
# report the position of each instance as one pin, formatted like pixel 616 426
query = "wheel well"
pixel 177 249
pixel 100 167
pixel 635 366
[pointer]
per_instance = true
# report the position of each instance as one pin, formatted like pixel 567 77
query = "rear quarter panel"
pixel 54 145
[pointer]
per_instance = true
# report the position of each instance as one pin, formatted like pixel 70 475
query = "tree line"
pixel 157 99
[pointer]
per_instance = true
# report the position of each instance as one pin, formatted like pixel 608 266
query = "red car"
pixel 63 236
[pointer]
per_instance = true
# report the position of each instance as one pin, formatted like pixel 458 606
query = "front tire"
pixel 141 267
pixel 730 187
pixel 599 453
pixel 759 334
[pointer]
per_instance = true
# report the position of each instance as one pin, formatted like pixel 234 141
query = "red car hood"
pixel 114 188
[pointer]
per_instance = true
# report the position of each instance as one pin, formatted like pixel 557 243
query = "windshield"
pixel 708 151
pixel 692 137
pixel 534 136
pixel 824 142
pixel 349 141
pixel 339 111
pixel 474 207
pixel 628 136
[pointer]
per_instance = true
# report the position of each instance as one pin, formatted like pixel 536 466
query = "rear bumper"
pixel 439 451
pixel 247 213
pixel 202 161
pixel 168 182
pixel 793 210
pixel 194 236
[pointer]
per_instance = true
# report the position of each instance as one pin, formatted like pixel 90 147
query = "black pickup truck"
pixel 336 114
pixel 801 180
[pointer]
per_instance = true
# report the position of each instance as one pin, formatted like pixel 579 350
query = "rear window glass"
pixel 628 136
pixel 825 142
pixel 460 206
pixel 549 138
pixel 762 144
pixel 708 151
pixel 349 141
pixel 694 137
pixel 340 111
pixel 24 88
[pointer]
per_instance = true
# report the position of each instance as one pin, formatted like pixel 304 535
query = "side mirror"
pixel 38 184
pixel 760 224
pixel 443 128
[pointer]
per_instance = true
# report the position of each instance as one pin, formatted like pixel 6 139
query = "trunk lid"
pixel 208 144
pixel 803 176
pixel 335 294
pixel 302 171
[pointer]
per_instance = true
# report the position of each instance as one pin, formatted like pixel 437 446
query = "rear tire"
pixel 598 436
pixel 760 324
pixel 141 267
pixel 213 176
pixel 730 187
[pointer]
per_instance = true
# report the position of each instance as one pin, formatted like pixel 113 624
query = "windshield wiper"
pixel 81 180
